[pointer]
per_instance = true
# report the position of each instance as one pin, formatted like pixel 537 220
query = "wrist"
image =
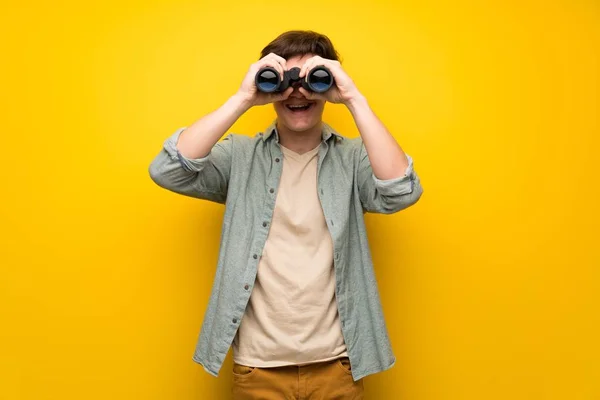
pixel 355 102
pixel 241 102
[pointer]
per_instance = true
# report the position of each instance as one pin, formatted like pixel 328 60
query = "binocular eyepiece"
pixel 269 80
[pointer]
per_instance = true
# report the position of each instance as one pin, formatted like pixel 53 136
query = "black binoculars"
pixel 269 80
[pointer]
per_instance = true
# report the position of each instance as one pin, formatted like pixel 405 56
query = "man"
pixel 295 293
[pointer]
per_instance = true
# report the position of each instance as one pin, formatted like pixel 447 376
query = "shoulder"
pixel 342 141
pixel 242 147
pixel 341 144
pixel 349 148
pixel 235 139
pixel 243 138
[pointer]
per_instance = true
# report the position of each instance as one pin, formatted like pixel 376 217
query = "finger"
pixel 286 93
pixel 273 97
pixel 275 64
pixel 309 95
pixel 283 95
pixel 307 65
pixel 302 72
pixel 270 62
pixel 279 59
pixel 275 56
pixel 316 62
pixel 332 65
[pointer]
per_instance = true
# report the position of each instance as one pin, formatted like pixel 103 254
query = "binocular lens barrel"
pixel 320 80
pixel 267 80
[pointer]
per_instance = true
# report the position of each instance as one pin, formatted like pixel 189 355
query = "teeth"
pixel 297 105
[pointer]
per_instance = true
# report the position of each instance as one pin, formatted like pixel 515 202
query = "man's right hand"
pixel 248 90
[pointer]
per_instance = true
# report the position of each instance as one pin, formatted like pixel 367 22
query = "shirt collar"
pixel 326 132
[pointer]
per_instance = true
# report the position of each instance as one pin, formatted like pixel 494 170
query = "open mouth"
pixel 299 107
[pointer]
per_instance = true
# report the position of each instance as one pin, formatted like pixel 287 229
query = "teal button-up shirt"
pixel 243 173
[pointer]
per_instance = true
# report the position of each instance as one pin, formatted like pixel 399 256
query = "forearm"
pixel 387 158
pixel 198 139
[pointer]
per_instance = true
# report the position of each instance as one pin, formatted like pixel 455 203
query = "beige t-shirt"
pixel 292 316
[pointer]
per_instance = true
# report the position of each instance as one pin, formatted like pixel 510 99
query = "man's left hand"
pixel 343 91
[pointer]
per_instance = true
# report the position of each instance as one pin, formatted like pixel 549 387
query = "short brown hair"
pixel 299 43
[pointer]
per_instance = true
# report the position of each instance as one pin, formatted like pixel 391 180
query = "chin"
pixel 296 122
pixel 299 126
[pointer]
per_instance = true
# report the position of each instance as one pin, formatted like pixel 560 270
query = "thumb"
pixel 309 94
pixel 284 95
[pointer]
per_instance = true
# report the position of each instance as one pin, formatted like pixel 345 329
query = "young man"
pixel 295 293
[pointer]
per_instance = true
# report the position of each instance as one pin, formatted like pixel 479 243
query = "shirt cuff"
pixel 189 164
pixel 397 186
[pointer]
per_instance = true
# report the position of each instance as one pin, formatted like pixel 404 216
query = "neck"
pixel 300 142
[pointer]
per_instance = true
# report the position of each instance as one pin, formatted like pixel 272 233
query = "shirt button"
pixel 264 224
pixel 255 256
pixel 246 287
pixel 271 190
pixel 277 159
pixel 234 320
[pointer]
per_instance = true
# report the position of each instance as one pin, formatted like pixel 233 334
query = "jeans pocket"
pixel 243 371
pixel 344 364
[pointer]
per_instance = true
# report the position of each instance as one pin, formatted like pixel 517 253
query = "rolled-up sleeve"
pixel 390 195
pixel 204 178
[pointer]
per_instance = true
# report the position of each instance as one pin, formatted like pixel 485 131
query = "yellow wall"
pixel 489 284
